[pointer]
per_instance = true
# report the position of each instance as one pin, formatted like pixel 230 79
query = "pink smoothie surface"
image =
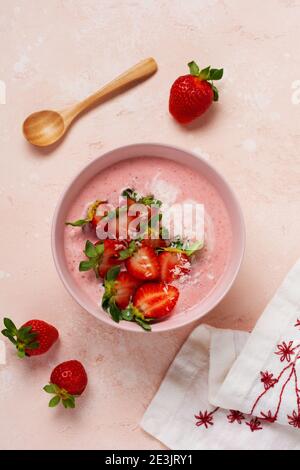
pixel 171 183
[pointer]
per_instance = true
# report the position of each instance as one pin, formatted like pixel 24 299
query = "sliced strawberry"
pixel 110 255
pixel 143 264
pixel 125 286
pixel 101 256
pixel 173 265
pixel 119 289
pixel 155 300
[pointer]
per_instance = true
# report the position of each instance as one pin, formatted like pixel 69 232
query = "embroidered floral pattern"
pixel 285 351
pixel 254 425
pixel 205 419
pixel 235 416
pixel 297 324
pixel 294 420
pixel 288 352
pixel 268 380
pixel 268 417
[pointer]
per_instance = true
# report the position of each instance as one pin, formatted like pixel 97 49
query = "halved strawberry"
pixel 101 256
pixel 125 286
pixel 173 265
pixel 143 264
pixel 110 256
pixel 91 216
pixel 119 289
pixel 155 300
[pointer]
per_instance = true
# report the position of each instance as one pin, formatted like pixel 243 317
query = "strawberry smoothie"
pixel 172 183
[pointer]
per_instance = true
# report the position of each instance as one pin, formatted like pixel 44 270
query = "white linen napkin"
pixel 265 378
pixel 231 390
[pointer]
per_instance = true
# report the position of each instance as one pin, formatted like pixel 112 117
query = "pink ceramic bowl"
pixel 151 150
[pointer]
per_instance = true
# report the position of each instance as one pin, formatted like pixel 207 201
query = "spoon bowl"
pixel 44 128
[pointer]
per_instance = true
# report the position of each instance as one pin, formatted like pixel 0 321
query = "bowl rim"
pixel 123 325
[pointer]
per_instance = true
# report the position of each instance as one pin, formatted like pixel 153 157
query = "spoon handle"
pixel 142 70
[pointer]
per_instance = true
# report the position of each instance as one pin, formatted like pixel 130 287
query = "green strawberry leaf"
pixel 216 74
pixel 23 332
pixel 54 401
pixel 105 301
pixel 78 223
pixel 112 273
pixel 69 402
pixel 9 324
pixel 8 335
pixel 191 249
pixel 143 323
pixel 194 69
pixel 99 249
pixel 114 311
pixel 130 193
pixel 204 73
pixel 128 252
pixel 178 246
pixel 50 388
pixel 127 314
pixel 90 250
pixel 87 265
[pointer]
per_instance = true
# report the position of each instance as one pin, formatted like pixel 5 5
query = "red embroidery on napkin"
pixel 285 351
pixel 288 352
pixel 290 366
pixel 268 380
pixel 206 419
pixel 254 425
pixel 268 417
pixel 294 420
pixel 235 416
pixel 297 324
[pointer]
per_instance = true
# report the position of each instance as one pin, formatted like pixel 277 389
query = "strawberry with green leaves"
pixel 67 381
pixel 101 256
pixel 191 95
pixel 34 338
pixel 119 289
pixel 91 216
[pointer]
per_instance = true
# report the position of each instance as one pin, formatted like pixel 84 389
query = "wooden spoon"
pixel 47 127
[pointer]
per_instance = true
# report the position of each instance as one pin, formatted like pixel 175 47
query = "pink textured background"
pixel 54 53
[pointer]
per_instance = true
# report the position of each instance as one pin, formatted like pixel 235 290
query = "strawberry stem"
pixel 60 395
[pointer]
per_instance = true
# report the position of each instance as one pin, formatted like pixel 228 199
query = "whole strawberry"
pixel 34 338
pixel 67 381
pixel 191 95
